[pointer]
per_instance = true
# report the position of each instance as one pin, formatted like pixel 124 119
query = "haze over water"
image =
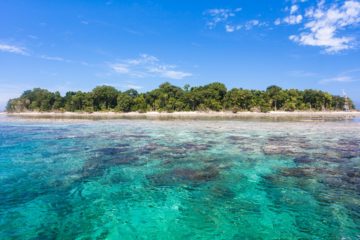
pixel 144 179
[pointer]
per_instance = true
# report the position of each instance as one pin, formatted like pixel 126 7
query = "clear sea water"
pixel 180 179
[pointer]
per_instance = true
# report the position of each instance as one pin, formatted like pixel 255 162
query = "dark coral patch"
pixel 223 192
pixel 184 176
pixel 111 151
pixel 303 160
pixel 298 172
pixel 279 150
pixel 195 147
pixel 136 136
pixel 149 148
pixel 96 166
pixel 234 138
pixel 189 174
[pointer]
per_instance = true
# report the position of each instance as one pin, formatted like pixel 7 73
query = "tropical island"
pixel 170 98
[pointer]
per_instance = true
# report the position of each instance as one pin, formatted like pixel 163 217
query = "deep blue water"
pixel 143 179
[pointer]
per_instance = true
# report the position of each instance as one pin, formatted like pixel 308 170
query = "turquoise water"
pixel 143 179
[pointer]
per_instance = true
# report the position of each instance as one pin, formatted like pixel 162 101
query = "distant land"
pixel 357 105
pixel 169 98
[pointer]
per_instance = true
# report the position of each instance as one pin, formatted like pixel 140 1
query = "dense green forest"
pixel 169 98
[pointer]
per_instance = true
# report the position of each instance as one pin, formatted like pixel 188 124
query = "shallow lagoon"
pixel 149 179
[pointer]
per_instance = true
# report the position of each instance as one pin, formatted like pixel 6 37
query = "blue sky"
pixel 76 45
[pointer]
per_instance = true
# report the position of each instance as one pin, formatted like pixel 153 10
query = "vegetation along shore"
pixel 169 98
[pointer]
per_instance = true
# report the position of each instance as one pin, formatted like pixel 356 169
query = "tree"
pixel 167 97
pixel 277 96
pixel 186 87
pixel 132 93
pixel 58 102
pixel 140 103
pixel 210 96
pixel 105 97
pixel 124 102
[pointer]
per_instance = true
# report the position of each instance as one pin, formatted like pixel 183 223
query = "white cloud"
pixel 338 79
pixel 148 66
pixel 229 28
pixel 294 16
pixel 123 86
pixel 169 72
pixel 22 51
pixel 50 58
pixel 277 21
pixel 133 86
pixel 253 23
pixel 60 59
pixel 297 1
pixel 347 76
pixel 324 24
pixel 302 74
pixel 293 19
pixel 294 9
pixel 220 15
pixel 120 68
pixel 12 49
pixel 246 26
pixel 232 28
pixel 10 90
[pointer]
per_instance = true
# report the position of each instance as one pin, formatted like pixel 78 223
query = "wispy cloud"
pixel 50 58
pixel 23 51
pixel 293 19
pixel 223 17
pixel 133 86
pixel 10 90
pixel 324 23
pixel 253 23
pixel 338 79
pixel 167 71
pixel 12 49
pixel 120 68
pixel 123 86
pixel 219 15
pixel 302 74
pixel 348 76
pixel 245 26
pixel 61 59
pixel 148 66
pixel 294 15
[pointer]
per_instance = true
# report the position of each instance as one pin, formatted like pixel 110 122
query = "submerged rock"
pixel 303 160
pixel 344 148
pixel 111 150
pixel 235 139
pixel 95 166
pixel 188 174
pixel 279 150
pixel 118 149
pixel 195 147
pixel 150 148
pixel 222 192
pixel 184 175
pixel 123 145
pixel 298 172
pixel 117 178
pixel 137 136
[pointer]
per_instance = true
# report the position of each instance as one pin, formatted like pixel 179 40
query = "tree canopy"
pixel 169 98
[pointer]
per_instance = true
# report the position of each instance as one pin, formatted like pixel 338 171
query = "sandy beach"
pixel 191 115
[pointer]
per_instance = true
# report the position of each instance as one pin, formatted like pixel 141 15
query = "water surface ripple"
pixel 143 179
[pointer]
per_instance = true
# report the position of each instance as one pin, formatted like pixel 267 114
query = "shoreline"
pixel 188 115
